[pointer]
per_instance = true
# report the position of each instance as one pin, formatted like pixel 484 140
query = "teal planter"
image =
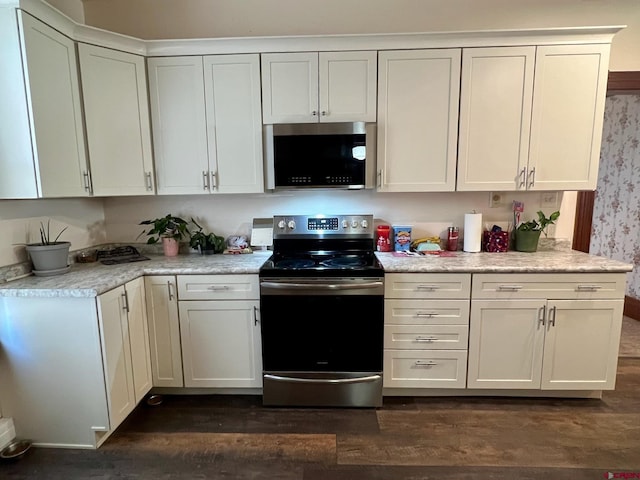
pixel 527 240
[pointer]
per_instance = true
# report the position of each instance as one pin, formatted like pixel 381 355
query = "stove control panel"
pixel 316 226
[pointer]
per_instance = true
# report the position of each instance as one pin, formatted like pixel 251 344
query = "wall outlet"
pixel 496 199
pixel 549 200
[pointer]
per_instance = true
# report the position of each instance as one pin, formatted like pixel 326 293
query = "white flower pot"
pixel 54 256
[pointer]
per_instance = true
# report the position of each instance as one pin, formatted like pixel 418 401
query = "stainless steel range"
pixel 322 308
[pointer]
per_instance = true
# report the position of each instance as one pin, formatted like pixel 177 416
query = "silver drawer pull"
pixel 425 363
pixel 218 287
pixel 427 315
pixel 509 288
pixel 426 339
pixel 588 288
pixel 427 287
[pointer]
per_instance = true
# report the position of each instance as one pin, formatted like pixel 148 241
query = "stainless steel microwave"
pixel 320 155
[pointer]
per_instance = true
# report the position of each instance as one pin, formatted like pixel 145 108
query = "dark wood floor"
pixel 225 437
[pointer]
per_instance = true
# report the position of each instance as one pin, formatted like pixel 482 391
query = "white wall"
pixel 20 221
pixel 155 19
pixel 226 215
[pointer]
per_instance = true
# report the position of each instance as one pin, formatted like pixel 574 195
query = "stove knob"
pixel 345 224
pixel 354 223
pixel 364 224
pixel 281 224
pixel 291 225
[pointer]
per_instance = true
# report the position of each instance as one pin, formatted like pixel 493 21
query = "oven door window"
pixel 320 160
pixel 322 333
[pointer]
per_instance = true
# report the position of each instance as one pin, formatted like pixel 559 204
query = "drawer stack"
pixel 426 330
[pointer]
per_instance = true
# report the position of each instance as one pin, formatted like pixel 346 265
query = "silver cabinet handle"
pixel 169 290
pixel 149 181
pixel 214 180
pixel 314 113
pixel 542 313
pixel 588 288
pixel 522 178
pixel 425 363
pixel 431 288
pixel 509 288
pixel 125 296
pixel 282 378
pixel 426 314
pixel 552 316
pixel 426 339
pixel 255 315
pixel 205 180
pixel 379 178
pixel 532 177
pixel 218 287
pixel 87 181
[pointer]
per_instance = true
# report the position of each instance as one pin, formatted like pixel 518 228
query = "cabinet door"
pixel 506 339
pixel 176 95
pixel 418 94
pixel 139 338
pixel 347 86
pixel 581 344
pixel 114 331
pixel 232 86
pixel 221 344
pixel 568 109
pixel 56 113
pixel 164 331
pixel 114 87
pixel 495 117
pixel 290 87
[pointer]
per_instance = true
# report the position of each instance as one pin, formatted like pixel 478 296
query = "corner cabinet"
pixel 311 87
pixel 207 129
pixel 418 93
pixel 114 88
pixel 545 331
pixel 220 330
pixel 531 117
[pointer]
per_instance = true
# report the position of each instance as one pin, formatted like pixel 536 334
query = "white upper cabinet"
pixel 418 120
pixel 568 110
pixel 114 86
pixel 495 117
pixel 207 128
pixel 42 149
pixel 319 87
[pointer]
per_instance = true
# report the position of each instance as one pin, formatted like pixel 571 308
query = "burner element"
pixel 344 262
pixel 292 263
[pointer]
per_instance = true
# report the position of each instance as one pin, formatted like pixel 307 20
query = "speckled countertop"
pixel 89 280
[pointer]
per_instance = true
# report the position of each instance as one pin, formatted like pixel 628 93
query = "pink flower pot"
pixel 170 247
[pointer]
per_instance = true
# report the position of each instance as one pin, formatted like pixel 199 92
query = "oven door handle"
pixel 321 286
pixel 280 378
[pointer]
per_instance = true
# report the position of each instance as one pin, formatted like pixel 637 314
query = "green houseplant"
pixel 206 243
pixel 168 229
pixel 49 256
pixel 528 233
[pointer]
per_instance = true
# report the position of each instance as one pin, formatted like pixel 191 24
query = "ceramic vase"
pixel 527 241
pixel 170 246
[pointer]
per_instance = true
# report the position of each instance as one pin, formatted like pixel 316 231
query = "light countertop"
pixel 92 279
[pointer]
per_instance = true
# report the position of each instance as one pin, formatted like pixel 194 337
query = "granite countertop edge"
pixel 91 280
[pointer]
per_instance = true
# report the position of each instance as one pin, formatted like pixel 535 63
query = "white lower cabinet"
pixel 164 331
pixel 544 343
pixel 426 330
pixel 220 337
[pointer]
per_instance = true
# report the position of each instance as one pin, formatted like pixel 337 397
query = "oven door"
pixel 322 341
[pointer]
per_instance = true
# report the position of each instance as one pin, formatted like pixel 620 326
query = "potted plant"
pixel 49 256
pixel 206 243
pixel 169 229
pixel 528 233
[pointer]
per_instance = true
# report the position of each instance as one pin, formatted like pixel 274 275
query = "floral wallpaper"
pixel 616 211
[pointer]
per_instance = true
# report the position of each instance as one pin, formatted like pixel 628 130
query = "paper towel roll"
pixel 472 232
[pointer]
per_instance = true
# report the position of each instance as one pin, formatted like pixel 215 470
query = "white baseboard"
pixel 7 432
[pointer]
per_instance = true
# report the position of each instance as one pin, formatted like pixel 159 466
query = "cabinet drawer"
pixel 427 285
pixel 426 337
pixel 425 369
pixel 426 312
pixel 218 287
pixel 549 285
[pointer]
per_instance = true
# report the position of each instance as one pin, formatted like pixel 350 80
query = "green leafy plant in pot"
pixel 206 243
pixel 169 230
pixel 49 257
pixel 528 233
